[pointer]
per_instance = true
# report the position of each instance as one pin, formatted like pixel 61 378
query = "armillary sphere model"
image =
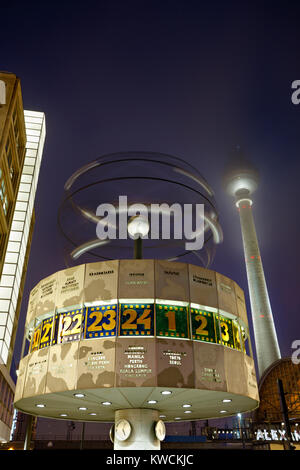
pixel 133 332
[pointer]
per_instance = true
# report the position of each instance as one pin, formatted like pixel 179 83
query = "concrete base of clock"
pixel 142 435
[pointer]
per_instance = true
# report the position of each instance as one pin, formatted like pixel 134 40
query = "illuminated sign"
pixel 136 319
pixel 172 321
pixel 275 435
pixel 70 326
pixel 225 332
pixel 36 337
pixel 236 336
pixel 101 321
pixel 203 325
pixel 168 320
pixel 46 332
pixel 55 328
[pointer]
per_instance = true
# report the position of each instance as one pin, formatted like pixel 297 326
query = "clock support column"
pixel 140 435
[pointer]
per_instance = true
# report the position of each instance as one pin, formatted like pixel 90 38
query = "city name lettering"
pixel 272 435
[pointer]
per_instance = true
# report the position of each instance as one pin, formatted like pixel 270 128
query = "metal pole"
pixel 82 435
pixel 285 414
pixel 138 248
pixel 28 435
pixel 193 428
pixel 23 346
pixel 240 427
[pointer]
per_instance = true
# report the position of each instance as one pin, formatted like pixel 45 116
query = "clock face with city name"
pixel 160 430
pixel 123 429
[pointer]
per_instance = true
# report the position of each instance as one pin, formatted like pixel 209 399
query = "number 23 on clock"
pixel 101 321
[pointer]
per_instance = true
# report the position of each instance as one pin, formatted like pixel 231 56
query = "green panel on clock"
pixel 203 325
pixel 172 321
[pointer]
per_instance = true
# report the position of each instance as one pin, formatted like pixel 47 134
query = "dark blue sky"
pixel 189 78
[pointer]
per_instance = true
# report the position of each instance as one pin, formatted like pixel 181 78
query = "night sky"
pixel 188 78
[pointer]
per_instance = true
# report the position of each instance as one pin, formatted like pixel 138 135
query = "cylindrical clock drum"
pixel 137 342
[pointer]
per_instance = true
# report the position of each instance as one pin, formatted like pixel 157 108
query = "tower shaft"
pixel 267 348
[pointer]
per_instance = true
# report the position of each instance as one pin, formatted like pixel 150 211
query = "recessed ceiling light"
pixel 186 405
pixel 63 414
pixel 162 416
pixel 226 400
pixel 178 417
pixel 92 414
pixel 188 411
pixel 152 401
pixel 40 405
pixel 79 395
pixel 166 392
pixel 223 411
pixel 82 408
pixel 106 403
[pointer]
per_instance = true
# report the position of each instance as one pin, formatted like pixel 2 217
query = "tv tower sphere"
pixel 241 180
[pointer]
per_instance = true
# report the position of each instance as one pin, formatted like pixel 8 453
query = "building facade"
pixel 269 409
pixel 22 135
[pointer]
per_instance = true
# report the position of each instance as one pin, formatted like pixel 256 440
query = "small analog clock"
pixel 160 430
pixel 123 429
pixel 112 433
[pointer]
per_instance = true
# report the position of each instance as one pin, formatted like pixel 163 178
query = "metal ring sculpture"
pixel 146 178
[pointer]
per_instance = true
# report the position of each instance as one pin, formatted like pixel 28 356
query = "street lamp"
pixel 138 228
pixel 239 415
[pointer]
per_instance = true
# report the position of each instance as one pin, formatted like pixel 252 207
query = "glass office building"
pixel 22 136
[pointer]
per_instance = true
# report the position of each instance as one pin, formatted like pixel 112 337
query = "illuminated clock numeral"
pixel 111 315
pixel 36 339
pixel 133 321
pixel 203 323
pixel 96 325
pixel 99 324
pixel 172 321
pixel 129 324
pixel 71 326
pixel 224 331
pixel 136 321
pixel 46 333
pixel 145 319
pixel 236 335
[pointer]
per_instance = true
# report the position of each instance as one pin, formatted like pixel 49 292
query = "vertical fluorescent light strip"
pixel 18 238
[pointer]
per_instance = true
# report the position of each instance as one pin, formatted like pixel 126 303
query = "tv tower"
pixel 241 180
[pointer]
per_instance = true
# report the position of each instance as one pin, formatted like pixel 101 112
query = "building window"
pixel 20 144
pixel 13 173
pixel 6 402
pixel 3 193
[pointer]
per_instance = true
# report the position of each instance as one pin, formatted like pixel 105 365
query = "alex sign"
pixel 275 435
